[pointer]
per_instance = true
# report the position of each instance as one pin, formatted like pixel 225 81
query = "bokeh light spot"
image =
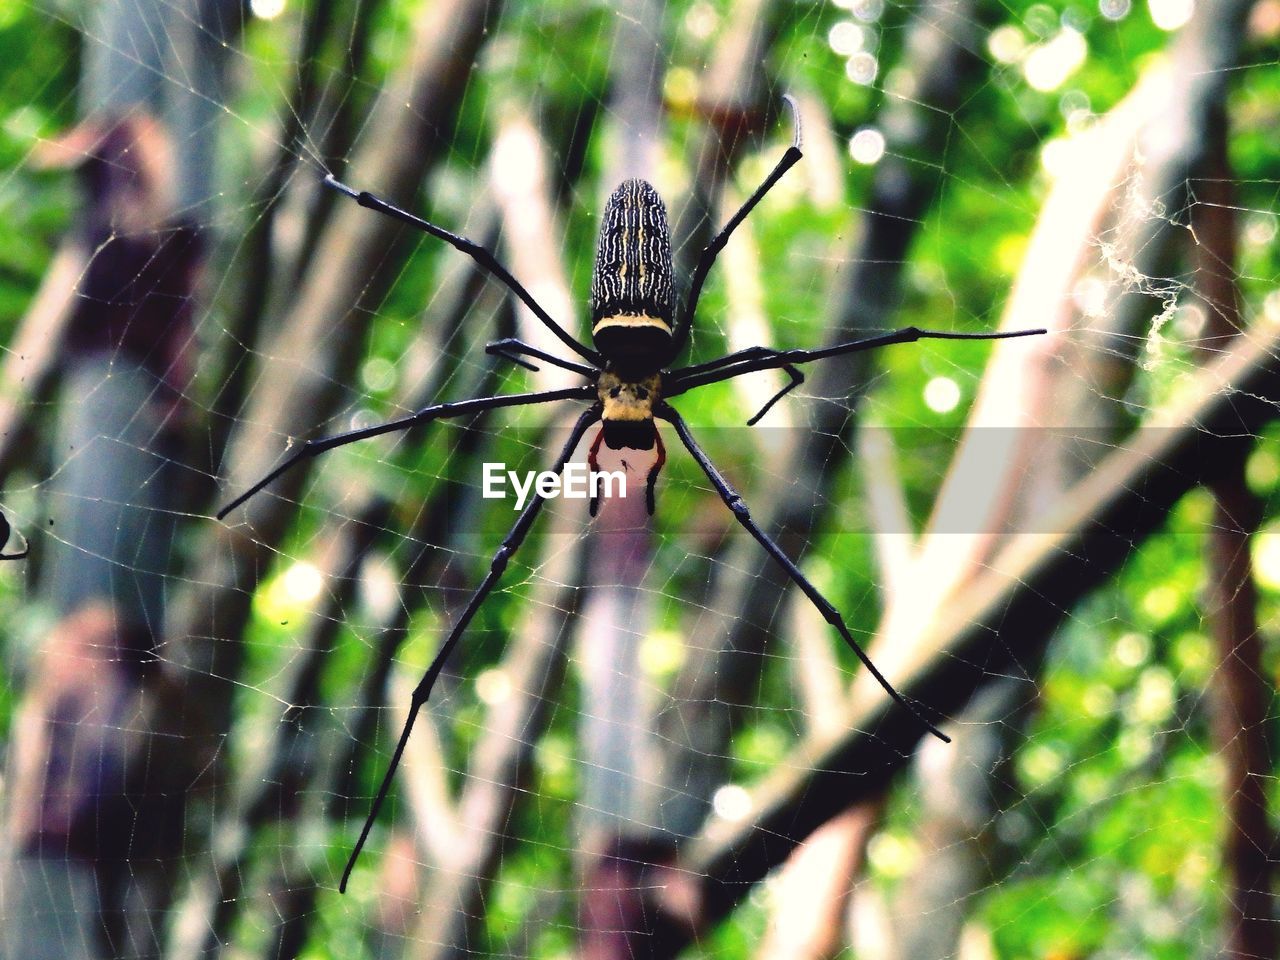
pixel 1049 65
pixel 867 145
pixel 731 802
pixel 941 394
pixel 302 583
pixel 266 9
pixel 846 38
pixel 862 68
pixel 1170 14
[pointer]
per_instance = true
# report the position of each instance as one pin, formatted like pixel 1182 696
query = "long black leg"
pixel 510 544
pixel 514 349
pixel 476 252
pixel 754 359
pixel 512 356
pixel 712 250
pixel 438 411
pixel 741 356
pixel 728 360
pixel 797 378
pixel 736 504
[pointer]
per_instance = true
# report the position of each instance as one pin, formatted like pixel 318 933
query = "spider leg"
pixel 754 359
pixel 741 356
pixel 513 349
pixel 712 250
pixel 797 378
pixel 510 544
pixel 728 360
pixel 480 254
pixel 495 351
pixel 438 411
pixel 743 515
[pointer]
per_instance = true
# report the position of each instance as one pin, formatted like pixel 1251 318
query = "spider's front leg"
pixel 481 254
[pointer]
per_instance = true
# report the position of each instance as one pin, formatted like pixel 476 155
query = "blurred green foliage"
pixel 1114 834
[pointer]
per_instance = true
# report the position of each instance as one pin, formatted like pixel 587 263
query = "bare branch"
pixel 616 741
pixel 887 513
pixel 532 236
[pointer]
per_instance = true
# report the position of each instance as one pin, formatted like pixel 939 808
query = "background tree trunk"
pixel 94 820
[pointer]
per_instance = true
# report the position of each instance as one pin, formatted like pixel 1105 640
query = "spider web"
pixel 1060 547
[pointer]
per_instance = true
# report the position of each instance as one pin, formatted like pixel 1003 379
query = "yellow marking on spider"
pixel 626 401
pixel 631 320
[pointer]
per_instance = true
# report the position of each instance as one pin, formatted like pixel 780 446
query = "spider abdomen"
pixel 632 292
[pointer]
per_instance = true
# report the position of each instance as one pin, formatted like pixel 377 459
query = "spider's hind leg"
pixel 680 335
pixel 829 613
pixel 510 544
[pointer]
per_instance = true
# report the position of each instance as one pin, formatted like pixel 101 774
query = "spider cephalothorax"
pixel 637 335
pixel 626 410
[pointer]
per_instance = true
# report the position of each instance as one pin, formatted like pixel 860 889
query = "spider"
pixel 637 334
pixel 5 530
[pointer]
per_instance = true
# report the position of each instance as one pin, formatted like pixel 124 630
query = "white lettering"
pixel 578 483
pixel 606 480
pixel 548 484
pixel 522 490
pixel 493 482
pixel 575 481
